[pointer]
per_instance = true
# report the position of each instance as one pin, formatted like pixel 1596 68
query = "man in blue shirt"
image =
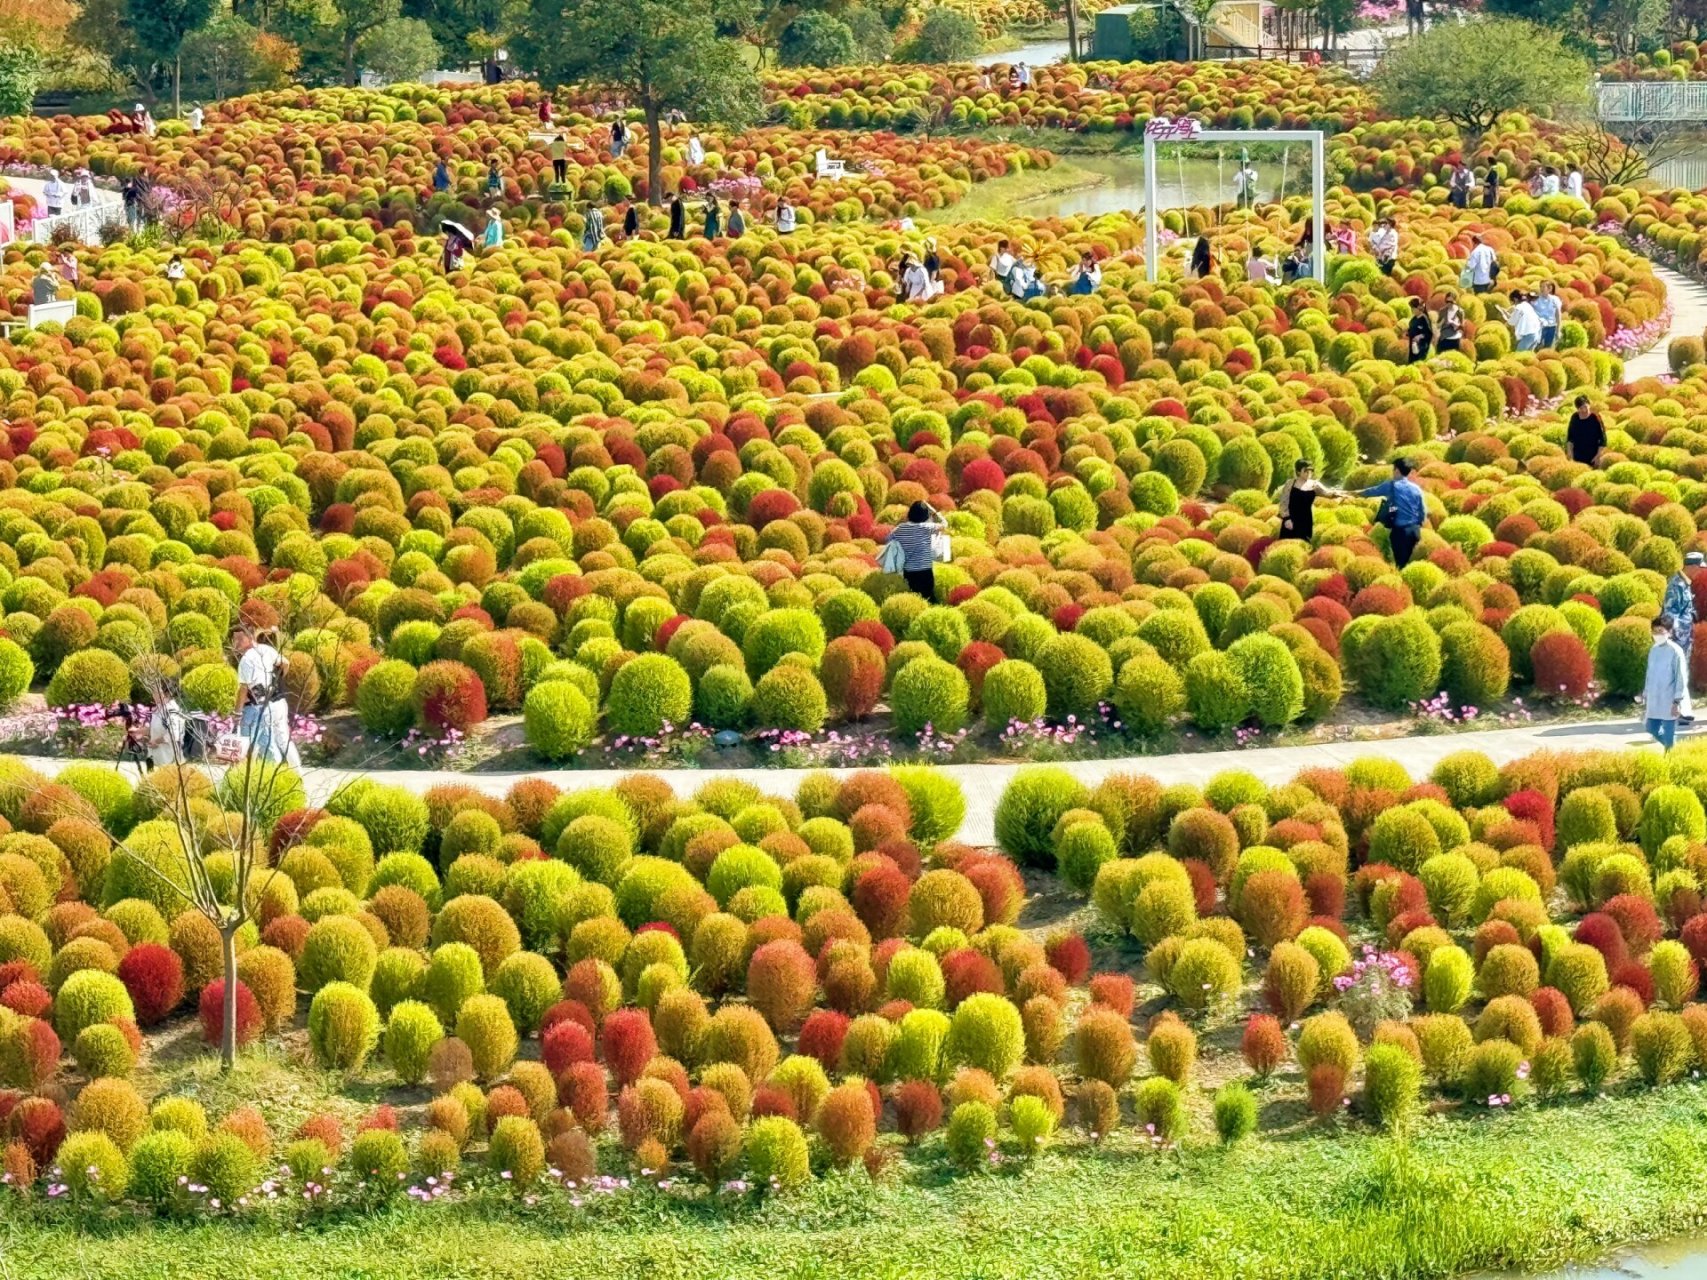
pixel 1405 512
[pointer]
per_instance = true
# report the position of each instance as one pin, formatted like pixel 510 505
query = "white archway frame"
pixel 1318 186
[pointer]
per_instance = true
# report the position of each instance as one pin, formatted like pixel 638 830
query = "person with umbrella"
pixel 678 217
pixel 458 241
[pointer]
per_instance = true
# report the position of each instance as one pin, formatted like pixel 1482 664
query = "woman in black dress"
pixel 678 217
pixel 631 221
pixel 1297 500
pixel 1420 333
pixel 1491 188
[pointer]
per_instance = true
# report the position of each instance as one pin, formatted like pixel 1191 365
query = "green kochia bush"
pixel 647 693
pixel 343 1027
pixel 1030 806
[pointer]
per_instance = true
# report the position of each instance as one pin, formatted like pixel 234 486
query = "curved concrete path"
pixel 983 783
pixel 1688 320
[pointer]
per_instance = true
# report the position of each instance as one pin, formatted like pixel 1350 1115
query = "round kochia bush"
pixel 646 694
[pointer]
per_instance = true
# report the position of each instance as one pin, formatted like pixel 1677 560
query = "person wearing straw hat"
pixel 494 237
pixel 45 287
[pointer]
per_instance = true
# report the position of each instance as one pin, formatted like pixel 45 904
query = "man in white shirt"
pixel 696 150
pixel 1024 76
pixel 1550 181
pixel 1245 186
pixel 1574 183
pixel 1482 266
pixel 264 712
pixel 54 193
pixel 195 117
pixel 1525 323
pixel 784 217
pixel 1002 263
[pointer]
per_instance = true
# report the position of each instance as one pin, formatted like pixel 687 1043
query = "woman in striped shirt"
pixel 915 536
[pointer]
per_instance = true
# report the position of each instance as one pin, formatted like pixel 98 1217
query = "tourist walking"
pixel 917 538
pixel 1402 510
pixel 66 261
pixel 696 150
pixel 166 724
pixel 1245 185
pixel 456 244
pixel 54 193
pixel 1415 20
pixel 1202 263
pixel 1451 332
pixel 1585 434
pixel 785 219
pixel 1420 333
pixel 1481 268
pixel 1491 186
pixel 83 189
pixel 494 179
pixel 737 220
pixel 263 710
pixel 131 194
pixel 1547 310
pixel 618 138
pixel 1384 244
pixel 593 232
pixel 713 217
pixel 195 115
pixel 1574 182
pixel 631 220
pixel 441 175
pixel 1666 685
pixel 1679 605
pixel 1460 185
pixel 494 231
pixel 678 218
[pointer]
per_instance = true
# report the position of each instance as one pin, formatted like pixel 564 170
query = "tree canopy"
pixel 657 55
pixel 1469 74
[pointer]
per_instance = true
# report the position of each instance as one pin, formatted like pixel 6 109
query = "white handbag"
pixel 941 549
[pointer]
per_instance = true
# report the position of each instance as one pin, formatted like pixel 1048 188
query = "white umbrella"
pixel 448 226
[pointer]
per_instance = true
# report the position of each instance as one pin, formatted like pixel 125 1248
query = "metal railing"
pixel 1652 100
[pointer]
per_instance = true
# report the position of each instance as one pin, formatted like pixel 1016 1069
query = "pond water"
pixel 1034 53
pixel 1179 181
pixel 1675 1260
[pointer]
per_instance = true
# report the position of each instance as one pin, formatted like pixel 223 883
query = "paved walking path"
pixel 984 783
pixel 1688 320
pixel 107 206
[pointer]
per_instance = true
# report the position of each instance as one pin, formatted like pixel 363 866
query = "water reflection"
pixel 1676 1260
pixel 1179 182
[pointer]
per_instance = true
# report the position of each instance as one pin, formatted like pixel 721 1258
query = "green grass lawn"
pixel 1532 1187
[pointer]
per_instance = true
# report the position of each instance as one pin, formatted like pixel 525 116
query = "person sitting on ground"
pixel 1402 510
pixel 175 267
pixel 1585 434
pixel 1087 275
pixel 916 282
pixel 1023 282
pixel 1384 244
pixel 1420 334
pixel 1002 263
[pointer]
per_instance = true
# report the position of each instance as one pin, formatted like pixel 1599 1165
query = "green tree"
pixel 1469 74
pixel 470 30
pixel 871 33
pixel 945 36
pixel 660 55
pixel 220 59
pixel 817 40
pixel 1548 13
pixel 353 19
pixel 161 27
pixel 20 77
pixel 402 49
pixel 1627 25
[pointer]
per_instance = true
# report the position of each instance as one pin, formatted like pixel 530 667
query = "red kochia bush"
pixel 565 1043
pixel 821 1036
pixel 852 671
pixel 1694 936
pixel 918 1108
pixel 1263 1044
pixel 847 1122
pixel 880 899
pixel 999 886
pixel 873 630
pixel 1553 1011
pixel 38 1051
pixel 1114 991
pixel 1563 665
pixel 967 972
pixel 584 1090
pixel 154 976
pixel 628 1043
pixel 27 997
pixel 781 981
pixel 1601 931
pixel 1327 1088
pixel 1533 807
pixel 769 1100
pixel 1070 954
pixel 39 1124
pixel 212 1013
pixel 1271 907
pixel 448 695
pixel 1634 975
pixel 1637 921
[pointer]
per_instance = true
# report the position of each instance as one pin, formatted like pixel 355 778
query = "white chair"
pixel 828 168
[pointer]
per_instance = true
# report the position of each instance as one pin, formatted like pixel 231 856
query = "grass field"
pixel 1532 1187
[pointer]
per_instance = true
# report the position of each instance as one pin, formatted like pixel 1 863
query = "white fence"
pixel 85 222
pixel 1652 100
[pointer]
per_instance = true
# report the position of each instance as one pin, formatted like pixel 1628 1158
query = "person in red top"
pixel 545 110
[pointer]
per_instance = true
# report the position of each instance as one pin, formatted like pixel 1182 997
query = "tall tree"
pixel 1469 74
pixel 353 19
pixel 161 27
pixel 470 30
pixel 660 55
